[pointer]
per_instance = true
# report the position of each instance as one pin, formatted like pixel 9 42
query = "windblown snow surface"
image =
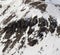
pixel 29 27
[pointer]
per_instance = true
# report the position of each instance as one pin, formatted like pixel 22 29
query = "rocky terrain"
pixel 29 27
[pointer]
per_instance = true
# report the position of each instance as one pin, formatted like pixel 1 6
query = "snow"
pixel 52 41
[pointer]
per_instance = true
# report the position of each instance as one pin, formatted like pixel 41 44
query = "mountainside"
pixel 29 27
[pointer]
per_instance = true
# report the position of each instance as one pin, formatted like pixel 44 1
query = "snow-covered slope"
pixel 29 27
